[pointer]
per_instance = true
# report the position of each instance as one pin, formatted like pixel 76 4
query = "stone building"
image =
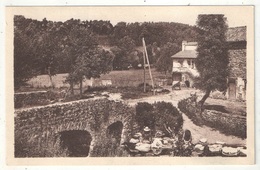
pixel 184 69
pixel 237 42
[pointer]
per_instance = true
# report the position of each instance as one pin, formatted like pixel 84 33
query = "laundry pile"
pixel 146 144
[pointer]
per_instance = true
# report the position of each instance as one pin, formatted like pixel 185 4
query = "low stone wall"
pixel 231 124
pixel 37 129
pixel 24 99
pixel 226 123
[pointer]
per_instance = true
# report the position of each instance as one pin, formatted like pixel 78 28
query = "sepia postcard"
pixel 130 85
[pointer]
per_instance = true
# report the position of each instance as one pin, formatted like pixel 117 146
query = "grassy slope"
pixel 125 78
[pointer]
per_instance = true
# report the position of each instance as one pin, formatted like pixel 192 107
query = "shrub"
pixel 166 115
pixel 187 107
pixel 141 86
pixel 158 116
pixel 228 124
pixel 219 120
pixel 144 115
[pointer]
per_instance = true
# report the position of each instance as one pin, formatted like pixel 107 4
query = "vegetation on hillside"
pixel 46 47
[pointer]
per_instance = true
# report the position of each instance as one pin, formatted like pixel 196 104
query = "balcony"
pixel 191 71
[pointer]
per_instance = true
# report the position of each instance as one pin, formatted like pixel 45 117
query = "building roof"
pixel 236 34
pixel 186 54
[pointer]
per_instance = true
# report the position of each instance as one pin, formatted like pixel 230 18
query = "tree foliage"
pixel 159 116
pixel 88 61
pixel 122 53
pixel 212 61
pixel 164 62
pixel 25 62
pixel 48 47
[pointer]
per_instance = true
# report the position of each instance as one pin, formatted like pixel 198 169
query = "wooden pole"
pixel 148 64
pixel 144 72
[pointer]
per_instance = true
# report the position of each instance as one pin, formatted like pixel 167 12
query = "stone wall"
pixel 226 123
pixel 37 129
pixel 24 99
pixel 231 124
pixel 237 60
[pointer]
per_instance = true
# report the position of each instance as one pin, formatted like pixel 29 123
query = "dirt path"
pixel 198 132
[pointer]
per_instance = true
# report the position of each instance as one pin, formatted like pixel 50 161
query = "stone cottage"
pixel 184 69
pixel 237 42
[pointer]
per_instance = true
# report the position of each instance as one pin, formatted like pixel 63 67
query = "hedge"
pixel 224 122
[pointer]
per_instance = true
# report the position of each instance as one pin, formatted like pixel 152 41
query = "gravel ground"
pixel 198 132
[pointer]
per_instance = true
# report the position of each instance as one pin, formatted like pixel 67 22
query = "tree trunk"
pixel 80 87
pixel 72 88
pixel 50 76
pixel 202 101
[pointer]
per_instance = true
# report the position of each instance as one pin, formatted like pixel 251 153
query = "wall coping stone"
pixel 224 114
pixel 31 92
pixel 70 102
pixel 60 104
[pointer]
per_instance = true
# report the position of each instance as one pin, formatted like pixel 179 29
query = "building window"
pixel 192 64
pixel 189 63
pixel 181 62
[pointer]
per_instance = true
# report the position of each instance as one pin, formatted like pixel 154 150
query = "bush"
pixel 167 115
pixel 144 115
pixel 221 121
pixel 141 87
pixel 228 124
pixel 190 109
pixel 158 116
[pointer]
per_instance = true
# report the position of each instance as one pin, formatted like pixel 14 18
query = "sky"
pixel 236 15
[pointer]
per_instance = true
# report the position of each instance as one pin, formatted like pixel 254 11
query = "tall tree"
pixel 119 32
pixel 122 53
pixel 212 61
pixel 25 63
pixel 49 48
pixel 164 62
pixel 89 61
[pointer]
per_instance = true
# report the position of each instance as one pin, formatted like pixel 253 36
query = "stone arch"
pixel 114 131
pixel 76 143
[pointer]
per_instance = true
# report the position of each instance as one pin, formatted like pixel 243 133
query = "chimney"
pixel 184 43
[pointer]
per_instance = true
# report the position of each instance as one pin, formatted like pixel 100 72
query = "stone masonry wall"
pixel 237 60
pixel 28 98
pixel 235 124
pixel 227 123
pixel 37 129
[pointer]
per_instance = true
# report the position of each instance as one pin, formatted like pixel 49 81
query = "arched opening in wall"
pixel 114 132
pixel 76 142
